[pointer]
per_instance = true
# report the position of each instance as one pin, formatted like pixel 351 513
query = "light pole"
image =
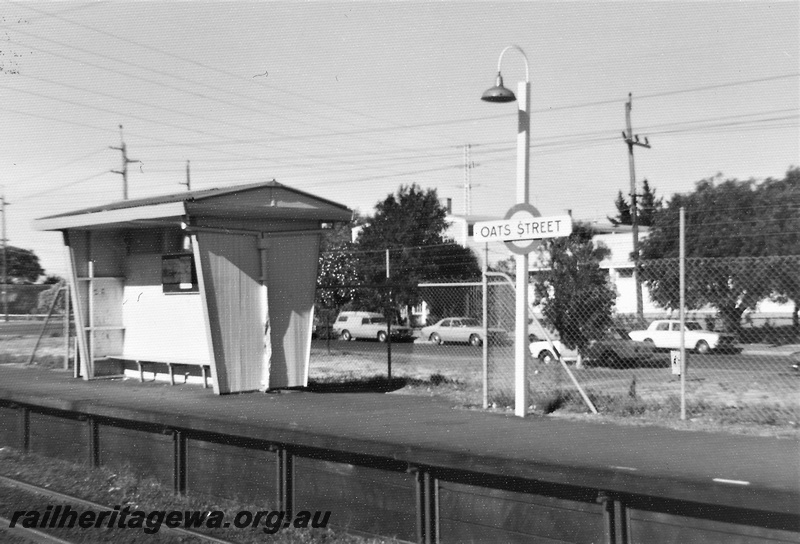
pixel 499 93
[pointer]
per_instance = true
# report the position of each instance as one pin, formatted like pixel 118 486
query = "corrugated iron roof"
pixel 190 196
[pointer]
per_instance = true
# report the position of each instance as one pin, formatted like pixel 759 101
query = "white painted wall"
pixel 165 327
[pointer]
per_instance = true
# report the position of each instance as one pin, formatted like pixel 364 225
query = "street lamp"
pixel 499 93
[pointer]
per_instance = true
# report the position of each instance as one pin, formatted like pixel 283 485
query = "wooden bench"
pixel 171 364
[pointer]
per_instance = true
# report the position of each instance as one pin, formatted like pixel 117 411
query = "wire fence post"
pixel 389 326
pixel 682 282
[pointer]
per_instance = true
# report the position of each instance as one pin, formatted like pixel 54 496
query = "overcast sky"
pixel 350 100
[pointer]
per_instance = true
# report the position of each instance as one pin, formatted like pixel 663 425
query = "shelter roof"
pixel 265 200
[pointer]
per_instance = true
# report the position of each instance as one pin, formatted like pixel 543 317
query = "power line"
pixel 49 192
pixel 306 98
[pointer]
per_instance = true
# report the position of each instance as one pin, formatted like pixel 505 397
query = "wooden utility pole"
pixel 632 141
pixel 188 181
pixel 125 162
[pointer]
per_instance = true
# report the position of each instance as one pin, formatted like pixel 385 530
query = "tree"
pixel 23 265
pixel 623 211
pixel 778 204
pixel 411 225
pixel 646 209
pixel 337 272
pixel 506 266
pixel 52 279
pixel 576 295
pixel 648 205
pixel 734 231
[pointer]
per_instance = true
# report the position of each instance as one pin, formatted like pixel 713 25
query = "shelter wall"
pixel 158 325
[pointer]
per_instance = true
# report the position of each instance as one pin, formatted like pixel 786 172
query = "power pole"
pixel 468 165
pixel 5 257
pixel 188 181
pixel 633 140
pixel 125 162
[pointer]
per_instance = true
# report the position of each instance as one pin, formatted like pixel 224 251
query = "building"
pixel 222 279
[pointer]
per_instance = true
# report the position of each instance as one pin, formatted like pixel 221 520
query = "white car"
pixel 368 326
pixel 666 334
pixel 460 329
pixel 542 350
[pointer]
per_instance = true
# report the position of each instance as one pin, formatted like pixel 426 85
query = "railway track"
pixel 39 537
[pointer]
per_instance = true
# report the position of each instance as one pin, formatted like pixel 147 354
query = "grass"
pixel 122 487
pixel 770 420
pixel 49 354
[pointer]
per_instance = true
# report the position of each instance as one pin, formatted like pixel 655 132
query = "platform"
pixel 415 468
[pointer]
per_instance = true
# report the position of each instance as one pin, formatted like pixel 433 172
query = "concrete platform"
pixel 752 483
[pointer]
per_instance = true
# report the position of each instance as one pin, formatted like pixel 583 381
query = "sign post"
pixel 521 229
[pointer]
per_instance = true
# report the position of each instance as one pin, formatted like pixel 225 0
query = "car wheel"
pixel 474 340
pixel 545 356
pixel 702 347
pixel 436 339
pixel 381 336
pixel 346 336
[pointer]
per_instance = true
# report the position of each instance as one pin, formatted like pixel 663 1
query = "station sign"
pixel 523 223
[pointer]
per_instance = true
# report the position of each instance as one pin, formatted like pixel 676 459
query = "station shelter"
pixel 222 279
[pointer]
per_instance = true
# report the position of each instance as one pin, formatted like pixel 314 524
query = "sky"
pixel 351 100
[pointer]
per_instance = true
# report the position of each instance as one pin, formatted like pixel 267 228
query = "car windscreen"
pixel 470 323
pixel 693 326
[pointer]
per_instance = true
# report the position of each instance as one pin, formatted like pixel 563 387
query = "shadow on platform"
pixel 376 384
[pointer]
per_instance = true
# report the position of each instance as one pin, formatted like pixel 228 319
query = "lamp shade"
pixel 498 93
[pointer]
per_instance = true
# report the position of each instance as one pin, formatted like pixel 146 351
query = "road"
pixel 29 328
pixel 454 353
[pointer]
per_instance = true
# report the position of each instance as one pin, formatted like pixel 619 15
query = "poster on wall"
pixel 178 273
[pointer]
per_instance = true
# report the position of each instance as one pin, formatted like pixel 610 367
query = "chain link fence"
pixel 741 354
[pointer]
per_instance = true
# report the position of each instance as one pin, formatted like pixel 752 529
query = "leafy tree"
pixel 734 230
pixel 337 272
pixel 452 261
pixel 646 208
pixel 23 265
pixel 506 266
pixel 411 225
pixel 779 201
pixel 648 205
pixel 576 295
pixel 623 211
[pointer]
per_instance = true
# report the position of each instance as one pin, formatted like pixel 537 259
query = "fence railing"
pixel 744 375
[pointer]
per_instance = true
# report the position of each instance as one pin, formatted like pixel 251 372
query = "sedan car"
pixel 666 334
pixel 543 350
pixel 459 329
pixel 616 349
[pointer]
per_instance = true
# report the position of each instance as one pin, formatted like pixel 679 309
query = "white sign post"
pixel 521 229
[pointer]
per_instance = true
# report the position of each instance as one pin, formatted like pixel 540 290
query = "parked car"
pixel 368 325
pixel 666 334
pixel 460 329
pixel 542 350
pixel 322 330
pixel 616 349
